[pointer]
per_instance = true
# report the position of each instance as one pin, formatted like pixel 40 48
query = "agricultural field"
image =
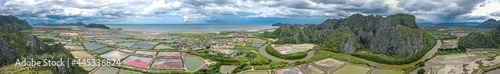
pixel 386 71
pixel 310 69
pixel 83 55
pixel 127 72
pixel 137 61
pixel 293 70
pixel 470 62
pixel 193 63
pixel 352 69
pixel 170 54
pixel 125 44
pixel 162 63
pixel 227 69
pixel 106 70
pixel 450 43
pixel 102 50
pixel 127 50
pixel 162 46
pixel 496 71
pixel 92 46
pixel 329 64
pixel 257 44
pixel 292 48
pixel 146 53
pixel 256 72
pixel 117 55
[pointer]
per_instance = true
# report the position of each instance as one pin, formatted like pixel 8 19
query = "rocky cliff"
pixel 490 23
pixel 396 35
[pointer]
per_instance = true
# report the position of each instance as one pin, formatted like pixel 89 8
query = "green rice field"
pixel 226 69
pixel 255 72
pixel 125 44
pixel 161 46
pixel 193 63
pixel 106 70
pixel 387 71
pixel 352 69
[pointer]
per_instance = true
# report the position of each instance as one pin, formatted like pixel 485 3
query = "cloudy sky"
pixel 242 11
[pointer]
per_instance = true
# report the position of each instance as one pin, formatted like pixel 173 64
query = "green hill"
pixel 481 39
pixel 15 44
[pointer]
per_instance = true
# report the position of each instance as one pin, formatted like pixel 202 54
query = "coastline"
pixel 191 28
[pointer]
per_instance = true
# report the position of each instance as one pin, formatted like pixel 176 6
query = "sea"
pixel 190 28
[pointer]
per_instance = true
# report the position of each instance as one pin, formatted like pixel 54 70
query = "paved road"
pixel 262 50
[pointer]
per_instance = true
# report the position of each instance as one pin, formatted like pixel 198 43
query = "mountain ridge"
pixel 396 35
pixel 490 23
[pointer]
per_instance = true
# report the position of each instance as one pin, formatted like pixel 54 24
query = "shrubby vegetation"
pixel 297 55
pixel 442 51
pixel 276 65
pixel 241 67
pixel 478 40
pixel 210 70
pixel 243 62
pixel 262 67
pixel 323 54
pixel 418 65
pixel 257 59
pixel 421 71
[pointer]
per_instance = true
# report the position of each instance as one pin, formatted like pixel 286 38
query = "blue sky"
pixel 242 11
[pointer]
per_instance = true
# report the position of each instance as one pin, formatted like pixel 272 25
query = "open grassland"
pixel 386 71
pixel 352 69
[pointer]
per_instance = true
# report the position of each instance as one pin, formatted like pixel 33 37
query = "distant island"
pixel 91 25
pixel 279 24
pixel 63 24
pixel 490 23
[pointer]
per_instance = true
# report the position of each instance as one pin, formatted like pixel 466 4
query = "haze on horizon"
pixel 242 11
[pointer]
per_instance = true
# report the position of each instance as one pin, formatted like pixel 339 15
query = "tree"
pixel 421 71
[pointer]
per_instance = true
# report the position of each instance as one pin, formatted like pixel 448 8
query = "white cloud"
pixel 203 10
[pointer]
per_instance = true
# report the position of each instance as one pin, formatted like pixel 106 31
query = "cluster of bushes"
pixel 418 65
pixel 393 60
pixel 298 55
pixel 273 65
pixel 276 65
pixel 241 67
pixel 257 59
pixel 442 51
pixel 211 69
pixel 262 67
